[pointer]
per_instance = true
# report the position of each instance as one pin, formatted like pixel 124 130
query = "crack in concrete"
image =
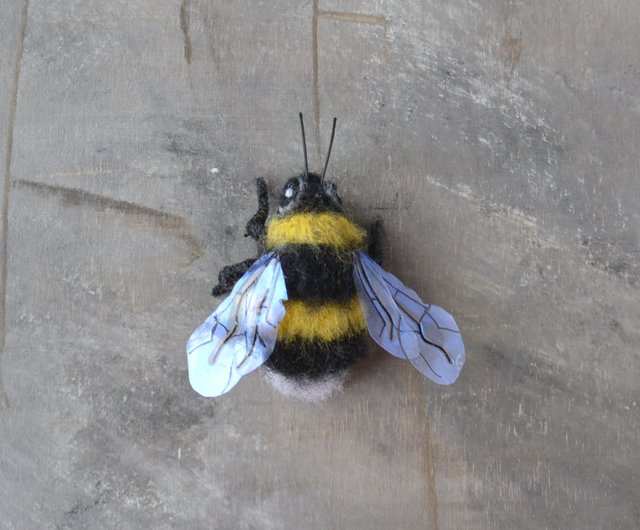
pixel 342 16
pixel 4 401
pixel 76 197
pixel 184 26
pixel 316 79
pixel 431 498
pixel 425 450
pixel 360 18
pixel 432 492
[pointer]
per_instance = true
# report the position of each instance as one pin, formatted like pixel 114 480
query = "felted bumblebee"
pixel 302 307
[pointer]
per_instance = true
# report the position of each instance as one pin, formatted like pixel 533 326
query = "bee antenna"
pixel 304 146
pixel 326 162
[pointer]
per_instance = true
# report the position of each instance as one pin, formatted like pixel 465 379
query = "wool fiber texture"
pixel 309 390
pixel 317 229
pixel 317 273
pixel 321 334
pixel 324 322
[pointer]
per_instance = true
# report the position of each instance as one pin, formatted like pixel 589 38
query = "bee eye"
pixel 330 188
pixel 289 192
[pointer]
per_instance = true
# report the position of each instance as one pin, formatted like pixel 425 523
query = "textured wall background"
pixel 499 142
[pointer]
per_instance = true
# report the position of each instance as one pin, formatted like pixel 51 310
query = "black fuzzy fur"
pixel 229 275
pixel 317 273
pixel 256 225
pixel 314 360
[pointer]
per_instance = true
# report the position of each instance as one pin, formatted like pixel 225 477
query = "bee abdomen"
pixel 316 340
pixel 315 359
pixel 325 322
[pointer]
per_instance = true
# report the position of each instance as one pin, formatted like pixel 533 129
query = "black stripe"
pixel 313 360
pixel 317 273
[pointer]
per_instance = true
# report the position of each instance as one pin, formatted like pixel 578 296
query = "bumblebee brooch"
pixel 302 307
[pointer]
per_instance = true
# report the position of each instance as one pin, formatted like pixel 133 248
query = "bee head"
pixel 309 193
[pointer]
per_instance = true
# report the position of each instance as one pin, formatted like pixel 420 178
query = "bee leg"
pixel 256 225
pixel 375 240
pixel 229 275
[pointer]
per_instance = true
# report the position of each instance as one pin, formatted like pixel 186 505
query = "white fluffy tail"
pixel 305 389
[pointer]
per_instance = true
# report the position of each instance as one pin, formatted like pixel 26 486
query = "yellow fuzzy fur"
pixel 325 321
pixel 329 229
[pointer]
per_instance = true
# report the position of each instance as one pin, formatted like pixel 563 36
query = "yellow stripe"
pixel 326 322
pixel 329 229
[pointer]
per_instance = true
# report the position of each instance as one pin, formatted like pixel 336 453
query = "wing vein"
pixel 241 333
pixel 424 334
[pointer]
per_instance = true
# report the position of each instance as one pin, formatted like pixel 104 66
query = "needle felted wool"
pixel 322 331
pixel 300 309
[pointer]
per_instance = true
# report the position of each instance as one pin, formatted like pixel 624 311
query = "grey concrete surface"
pixel 499 142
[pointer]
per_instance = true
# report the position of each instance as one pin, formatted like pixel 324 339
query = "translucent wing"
pixel 388 326
pixel 240 334
pixel 405 326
